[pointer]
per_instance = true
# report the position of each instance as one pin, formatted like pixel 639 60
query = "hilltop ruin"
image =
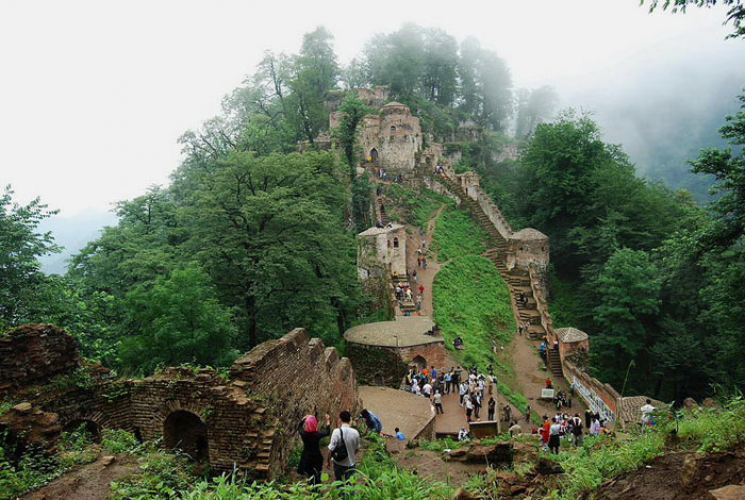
pixel 247 421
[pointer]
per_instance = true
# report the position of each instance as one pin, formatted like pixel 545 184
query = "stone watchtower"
pixel 400 138
pixel 391 139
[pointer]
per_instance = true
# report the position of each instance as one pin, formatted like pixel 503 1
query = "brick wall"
pixel 248 422
pixel 377 365
pixel 599 397
pixel 295 377
pixel 35 353
pixel 433 353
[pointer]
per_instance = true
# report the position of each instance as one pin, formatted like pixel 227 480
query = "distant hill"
pixel 72 232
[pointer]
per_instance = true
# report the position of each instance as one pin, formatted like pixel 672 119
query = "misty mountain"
pixel 73 233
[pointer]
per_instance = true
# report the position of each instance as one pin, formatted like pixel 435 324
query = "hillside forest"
pixel 252 238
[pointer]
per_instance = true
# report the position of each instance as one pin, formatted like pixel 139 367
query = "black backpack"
pixel 340 453
pixel 577 428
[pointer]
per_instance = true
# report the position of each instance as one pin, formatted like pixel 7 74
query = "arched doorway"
pixel 374 156
pixel 420 362
pixel 185 431
pixel 378 379
pixel 90 428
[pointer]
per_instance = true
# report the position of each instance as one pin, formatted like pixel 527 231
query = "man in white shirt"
pixel 647 411
pixel 554 437
pixel 348 437
pixel 427 390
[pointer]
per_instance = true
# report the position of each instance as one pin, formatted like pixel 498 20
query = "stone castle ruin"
pixel 521 257
pixel 247 421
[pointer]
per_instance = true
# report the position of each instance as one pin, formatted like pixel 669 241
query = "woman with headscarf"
pixel 311 460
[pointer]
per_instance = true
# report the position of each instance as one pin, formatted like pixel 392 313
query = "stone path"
pixel 397 408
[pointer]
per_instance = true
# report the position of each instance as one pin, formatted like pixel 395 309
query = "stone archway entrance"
pixel 374 156
pixel 420 362
pixel 185 431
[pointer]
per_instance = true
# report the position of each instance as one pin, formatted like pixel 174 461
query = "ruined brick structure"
pixel 247 421
pixel 382 352
pixel 35 353
pixel 381 251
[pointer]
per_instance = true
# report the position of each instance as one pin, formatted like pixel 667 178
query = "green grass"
pixel 415 207
pixel 471 300
pixel 600 459
pixel 457 235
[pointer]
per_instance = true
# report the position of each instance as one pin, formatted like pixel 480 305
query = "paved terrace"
pixel 405 331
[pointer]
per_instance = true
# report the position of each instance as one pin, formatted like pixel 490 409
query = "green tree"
pixel 397 60
pixel 176 320
pixel 628 291
pixel 20 248
pixel 470 50
pixel 270 231
pixel 440 67
pixel 728 168
pixel 534 107
pixel 312 74
pixel 353 109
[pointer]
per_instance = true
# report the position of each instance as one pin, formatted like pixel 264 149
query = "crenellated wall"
pixel 247 422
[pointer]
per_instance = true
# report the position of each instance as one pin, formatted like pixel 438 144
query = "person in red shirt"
pixel 421 289
pixel 548 383
pixel 545 432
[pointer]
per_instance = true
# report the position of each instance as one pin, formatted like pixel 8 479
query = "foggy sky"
pixel 94 95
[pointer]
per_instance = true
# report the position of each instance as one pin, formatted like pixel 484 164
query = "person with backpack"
pixel 577 430
pixel 345 441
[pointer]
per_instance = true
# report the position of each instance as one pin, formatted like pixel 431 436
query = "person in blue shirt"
pixel 400 435
pixel 371 420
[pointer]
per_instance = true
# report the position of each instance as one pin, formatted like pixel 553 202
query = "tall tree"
pixel 534 107
pixel 728 168
pixel 397 60
pixel 176 319
pixel 313 73
pixel 270 232
pixel 439 76
pixel 21 245
pixel 628 290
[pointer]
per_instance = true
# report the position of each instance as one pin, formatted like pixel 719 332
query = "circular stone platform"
pixel 405 331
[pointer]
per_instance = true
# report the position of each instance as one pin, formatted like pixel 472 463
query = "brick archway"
pixel 185 431
pixel 420 362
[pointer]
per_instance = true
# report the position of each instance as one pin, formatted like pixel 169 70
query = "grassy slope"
pixel 471 300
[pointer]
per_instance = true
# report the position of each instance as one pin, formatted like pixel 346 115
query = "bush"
pixel 119 441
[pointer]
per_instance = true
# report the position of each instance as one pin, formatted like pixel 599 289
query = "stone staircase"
pixel 554 363
pixel 518 280
pixel 404 305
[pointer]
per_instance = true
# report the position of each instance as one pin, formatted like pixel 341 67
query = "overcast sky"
pixel 93 95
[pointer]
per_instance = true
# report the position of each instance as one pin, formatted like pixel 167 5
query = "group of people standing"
pixel 564 427
pixel 342 447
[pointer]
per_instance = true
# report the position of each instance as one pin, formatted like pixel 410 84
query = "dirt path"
pixel 425 277
pixel 431 466
pixel 88 482
pixel 530 376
